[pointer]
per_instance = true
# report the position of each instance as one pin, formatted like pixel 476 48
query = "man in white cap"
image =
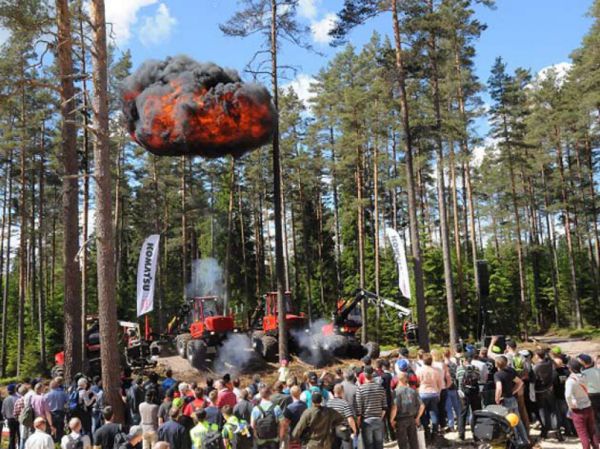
pixel 39 439
pixel 75 439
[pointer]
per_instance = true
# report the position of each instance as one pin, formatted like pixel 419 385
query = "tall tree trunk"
pixel 361 238
pixel 412 201
pixel 279 262
pixel 22 234
pixel 552 246
pixel 376 231
pixel 229 233
pixel 446 252
pixel 72 277
pixel 86 185
pixel 565 198
pixel 6 286
pixel 456 223
pixel 41 250
pixel 336 214
pixel 184 251
pixel 243 241
pixel 107 304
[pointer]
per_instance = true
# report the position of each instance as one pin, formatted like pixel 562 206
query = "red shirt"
pixel 193 406
pixel 226 397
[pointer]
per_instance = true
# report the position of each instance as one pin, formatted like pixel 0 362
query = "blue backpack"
pixel 74 403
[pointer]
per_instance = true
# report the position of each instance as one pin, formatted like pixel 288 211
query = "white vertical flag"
pixel 145 277
pixel 400 256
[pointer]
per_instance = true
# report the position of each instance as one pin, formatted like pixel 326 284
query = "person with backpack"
pixel 519 363
pixel 313 387
pixel 467 378
pixel 266 421
pixel 24 431
pixel 320 423
pixel 75 439
pixel 205 435
pixel 453 406
pixel 545 374
pixel 104 436
pixel 406 411
pixel 96 411
pixel 81 401
pixel 487 377
pixel 236 433
pixel 174 433
pixel 243 408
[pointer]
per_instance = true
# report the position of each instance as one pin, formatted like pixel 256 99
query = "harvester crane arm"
pixel 380 302
pixel 345 310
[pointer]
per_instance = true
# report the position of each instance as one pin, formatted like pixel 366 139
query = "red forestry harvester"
pixel 200 327
pixel 265 325
pixel 340 336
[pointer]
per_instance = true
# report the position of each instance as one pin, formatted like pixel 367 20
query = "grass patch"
pixel 586 333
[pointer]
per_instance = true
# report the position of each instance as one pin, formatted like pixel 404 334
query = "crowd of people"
pixel 371 403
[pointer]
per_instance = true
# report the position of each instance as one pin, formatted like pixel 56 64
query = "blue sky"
pixel 526 33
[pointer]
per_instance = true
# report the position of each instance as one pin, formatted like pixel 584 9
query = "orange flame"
pixel 203 122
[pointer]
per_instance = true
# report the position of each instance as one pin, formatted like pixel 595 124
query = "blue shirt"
pixel 56 399
pixel 168 383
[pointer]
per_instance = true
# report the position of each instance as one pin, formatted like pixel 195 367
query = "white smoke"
pixel 314 347
pixel 207 279
pixel 235 355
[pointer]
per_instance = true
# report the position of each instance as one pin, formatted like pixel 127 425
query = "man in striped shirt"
pixel 340 405
pixel 371 405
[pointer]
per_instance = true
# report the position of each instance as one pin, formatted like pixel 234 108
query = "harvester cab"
pixel 203 326
pixel 140 353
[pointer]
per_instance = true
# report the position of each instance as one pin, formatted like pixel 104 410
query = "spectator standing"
pixel 213 414
pixel 292 415
pixel 371 406
pixel 134 438
pixel 236 388
pixel 340 405
pixel 149 419
pixel 349 385
pixel 467 376
pixel 508 385
pixel 562 374
pixel 580 406
pixel 279 397
pixel 225 396
pixel 76 439
pixel 313 387
pixel 8 412
pixel 453 406
pixel 203 431
pixel 195 405
pixel 320 423
pixel 98 406
pixel 24 431
pixel 168 382
pixel 40 405
pixel 236 433
pixel 243 408
pixel 266 420
pixel 135 396
pixel 438 363
pixel 104 436
pixel 57 399
pixel 545 375
pixel 165 407
pixel 406 411
pixel 430 385
pixel 174 433
pixel 591 375
pixel 39 439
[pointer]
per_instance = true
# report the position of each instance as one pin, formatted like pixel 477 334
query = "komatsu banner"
pixel 146 275
pixel 400 256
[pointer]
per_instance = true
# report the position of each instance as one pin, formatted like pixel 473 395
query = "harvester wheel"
pixel 269 348
pixel 181 341
pixel 336 345
pixel 372 350
pixel 196 354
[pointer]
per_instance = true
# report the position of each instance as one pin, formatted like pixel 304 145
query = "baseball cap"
pixel 586 359
pixel 135 431
pixel 556 350
pixel 403 365
pixel 496 349
pixel 404 352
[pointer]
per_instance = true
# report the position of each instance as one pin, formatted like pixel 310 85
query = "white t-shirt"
pixel 39 440
pixel 68 440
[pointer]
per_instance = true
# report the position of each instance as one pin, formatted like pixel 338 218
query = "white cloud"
pixel 561 69
pixel 301 86
pixel 308 8
pixel 320 29
pixel 122 14
pixel 157 28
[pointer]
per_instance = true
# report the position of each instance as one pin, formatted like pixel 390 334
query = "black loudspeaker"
pixel 483 274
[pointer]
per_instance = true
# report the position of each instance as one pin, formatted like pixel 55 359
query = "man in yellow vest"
pixel 204 434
